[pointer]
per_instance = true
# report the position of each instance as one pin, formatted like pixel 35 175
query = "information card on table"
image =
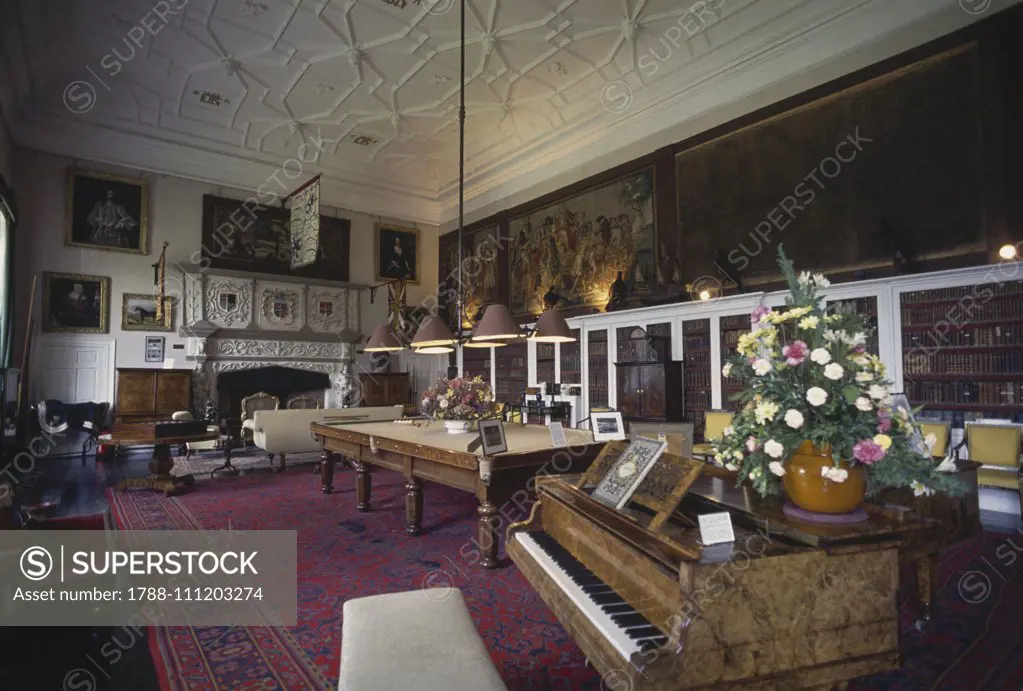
pixel 716 528
pixel 558 434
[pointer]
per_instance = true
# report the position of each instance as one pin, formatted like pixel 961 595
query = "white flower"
pixel 776 467
pixel 860 359
pixel 761 367
pixel 858 338
pixel 864 377
pixel 426 402
pixel 834 371
pixel 821 281
pixel 863 403
pixel 732 467
pixel 719 458
pixel 755 473
pixel 751 444
pixel 816 396
pixel 930 440
pixel 444 403
pixel 877 392
pixel 737 455
pixel 793 418
pixel 726 371
pixel 809 323
pixel 920 489
pixel 835 474
pixel 820 356
pixel 765 411
pixel 774 449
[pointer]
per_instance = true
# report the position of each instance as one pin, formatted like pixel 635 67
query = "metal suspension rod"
pixel 461 167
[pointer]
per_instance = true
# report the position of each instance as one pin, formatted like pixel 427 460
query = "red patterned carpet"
pixel 343 554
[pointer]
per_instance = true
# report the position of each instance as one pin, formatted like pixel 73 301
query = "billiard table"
pixel 425 450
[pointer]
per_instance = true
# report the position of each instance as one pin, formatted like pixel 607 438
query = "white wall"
pixel 175 216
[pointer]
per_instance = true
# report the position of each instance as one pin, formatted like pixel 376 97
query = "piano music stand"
pixel 661 491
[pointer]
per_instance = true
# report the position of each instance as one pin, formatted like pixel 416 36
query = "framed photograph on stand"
pixel 154 348
pixel 607 426
pixel 492 436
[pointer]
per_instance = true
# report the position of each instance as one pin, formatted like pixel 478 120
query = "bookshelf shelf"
pixel 963 354
pixel 732 327
pixel 866 307
pixel 511 373
pixel 596 359
pixel 696 389
pixel 571 361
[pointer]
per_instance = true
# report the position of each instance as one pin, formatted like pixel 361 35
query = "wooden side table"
pixel 160 478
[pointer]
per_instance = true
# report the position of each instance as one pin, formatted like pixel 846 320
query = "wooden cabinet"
pixel 146 395
pixel 384 388
pixel 650 390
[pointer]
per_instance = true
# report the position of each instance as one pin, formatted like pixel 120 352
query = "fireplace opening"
pixel 288 384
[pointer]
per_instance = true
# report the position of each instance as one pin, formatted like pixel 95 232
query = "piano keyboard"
pixel 626 629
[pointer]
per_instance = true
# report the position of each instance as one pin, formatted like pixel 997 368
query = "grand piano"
pixel 788 605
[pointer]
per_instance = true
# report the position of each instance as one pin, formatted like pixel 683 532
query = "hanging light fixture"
pixel 434 337
pixel 496 325
pixel 383 340
pixel 551 327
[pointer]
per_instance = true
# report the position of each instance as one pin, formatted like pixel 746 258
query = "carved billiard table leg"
pixel 489 522
pixel 327 472
pixel 413 506
pixel 363 485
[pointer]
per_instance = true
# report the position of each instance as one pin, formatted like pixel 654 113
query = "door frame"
pixel 70 341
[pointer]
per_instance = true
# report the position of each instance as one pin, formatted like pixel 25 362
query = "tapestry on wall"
pixel 891 167
pixel 479 273
pixel 577 246
pixel 240 236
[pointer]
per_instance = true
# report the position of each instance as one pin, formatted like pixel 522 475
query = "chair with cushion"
pixel 422 639
pixel 193 446
pixel 679 435
pixel 997 448
pixel 251 404
pixel 941 432
pixel 303 402
pixel 715 423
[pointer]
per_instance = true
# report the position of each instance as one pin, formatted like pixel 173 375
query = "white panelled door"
pixel 73 370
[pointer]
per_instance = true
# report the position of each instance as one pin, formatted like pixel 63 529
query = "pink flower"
pixel 884 422
pixel 860 349
pixel 751 443
pixel 868 451
pixel 795 353
pixel 758 314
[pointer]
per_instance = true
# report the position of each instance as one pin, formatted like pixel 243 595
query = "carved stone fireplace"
pixel 286 383
pixel 238 323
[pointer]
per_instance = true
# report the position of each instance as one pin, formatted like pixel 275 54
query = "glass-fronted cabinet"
pixel 697 384
pixel 511 372
pixel 596 369
pixel 571 360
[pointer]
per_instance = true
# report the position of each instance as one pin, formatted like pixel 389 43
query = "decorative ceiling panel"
pixel 378 79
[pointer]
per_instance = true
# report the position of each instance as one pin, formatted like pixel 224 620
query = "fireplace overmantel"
pixel 237 322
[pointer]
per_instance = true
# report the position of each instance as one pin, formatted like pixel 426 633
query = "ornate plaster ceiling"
pixel 229 90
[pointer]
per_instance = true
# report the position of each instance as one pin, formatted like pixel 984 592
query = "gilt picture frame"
pixel 138 313
pixel 106 212
pixel 396 253
pixel 75 303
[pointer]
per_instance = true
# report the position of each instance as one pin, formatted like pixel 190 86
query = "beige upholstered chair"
pixel 715 423
pixel 303 402
pixel 250 404
pixel 996 447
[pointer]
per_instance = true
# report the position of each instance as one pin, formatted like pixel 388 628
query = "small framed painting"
pixel 607 426
pixel 75 303
pixel 492 435
pixel 138 313
pixel 154 348
pixel 106 212
pixel 397 253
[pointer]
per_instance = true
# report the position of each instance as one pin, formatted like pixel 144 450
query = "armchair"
pixel 715 423
pixel 997 448
pixel 250 404
pixel 941 432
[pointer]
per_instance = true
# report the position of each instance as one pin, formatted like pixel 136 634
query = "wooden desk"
pixel 160 478
pixel 428 452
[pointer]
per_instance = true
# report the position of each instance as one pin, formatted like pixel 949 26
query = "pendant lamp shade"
pixel 496 324
pixel 383 340
pixel 433 333
pixel 551 327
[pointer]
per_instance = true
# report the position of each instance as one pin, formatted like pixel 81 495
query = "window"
pixel 6 273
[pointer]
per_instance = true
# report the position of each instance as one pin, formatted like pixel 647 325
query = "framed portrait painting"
pixel 397 253
pixel 75 303
pixel 106 212
pixel 138 313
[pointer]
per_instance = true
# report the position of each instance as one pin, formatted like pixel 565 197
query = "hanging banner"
pixel 305 226
pixel 396 306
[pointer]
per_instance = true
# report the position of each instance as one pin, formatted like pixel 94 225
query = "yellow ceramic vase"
pixel 809 490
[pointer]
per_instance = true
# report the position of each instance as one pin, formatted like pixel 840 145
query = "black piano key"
pixel 607 598
pixel 641 632
pixel 620 608
pixel 630 619
pixel 597 588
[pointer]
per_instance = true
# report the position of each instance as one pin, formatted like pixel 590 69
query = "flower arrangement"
pixel 807 376
pixel 459 399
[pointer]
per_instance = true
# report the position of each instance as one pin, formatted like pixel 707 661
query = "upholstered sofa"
pixel 280 432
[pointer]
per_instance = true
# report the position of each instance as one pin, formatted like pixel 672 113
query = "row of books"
pixel 972 392
pixel 696 378
pixel 696 326
pixel 545 351
pixel 571 363
pixel 598 349
pixel 698 342
pixel 730 338
pixel 978 292
pixel 740 322
pixel 866 305
pixel 509 361
pixel 963 313
pixel 697 360
pixel 965 336
pixel 999 362
pixel 697 399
